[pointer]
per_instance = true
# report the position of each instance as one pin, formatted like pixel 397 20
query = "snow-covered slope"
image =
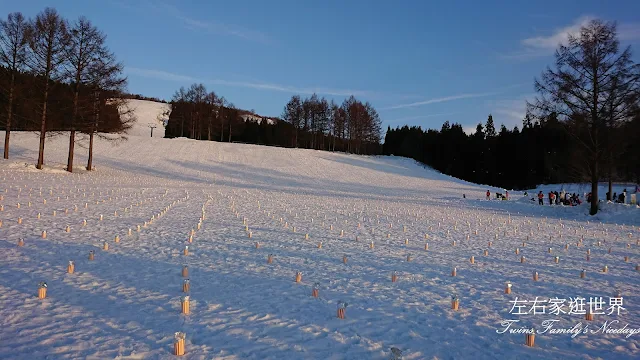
pixel 257 119
pixel 148 113
pixel 254 201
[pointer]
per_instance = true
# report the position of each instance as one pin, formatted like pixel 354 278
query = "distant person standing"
pixel 540 198
pixel 488 195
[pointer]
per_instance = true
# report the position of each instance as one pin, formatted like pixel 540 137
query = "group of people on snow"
pixel 622 198
pixel 499 196
pixel 564 198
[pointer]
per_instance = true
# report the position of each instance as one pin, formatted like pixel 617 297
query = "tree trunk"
pixel 43 125
pixel 611 177
pixel 90 162
pixel 7 133
pixel 72 143
pixel 594 189
pixel 72 133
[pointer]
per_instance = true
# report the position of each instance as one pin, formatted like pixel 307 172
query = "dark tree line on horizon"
pixel 542 152
pixel 312 123
pixel 57 76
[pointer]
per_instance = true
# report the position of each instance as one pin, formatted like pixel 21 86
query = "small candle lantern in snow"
pixel 588 316
pixel 454 272
pixel 186 250
pixel 306 236
pixel 556 259
pixel 549 250
pixel 517 251
pixel 178 345
pixel 394 276
pixel 342 306
pixel 507 288
pixel 270 259
pixel 408 257
pixel 530 339
pixel 455 302
pixel 42 290
pixel 71 267
pixel 426 246
pixel 105 246
pixel 486 253
pixel 44 234
pixel 116 239
pixel 185 305
pixel 92 255
pixel 185 271
pixel 315 290
pixel 344 259
pixel 21 242
pixel 605 269
pixel 298 277
pixel 626 259
pixel 320 245
pixel 472 259
pixel 186 286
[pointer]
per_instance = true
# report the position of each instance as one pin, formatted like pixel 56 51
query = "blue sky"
pixel 418 62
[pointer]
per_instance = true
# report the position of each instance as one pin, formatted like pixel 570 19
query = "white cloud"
pixel 545 45
pixel 168 76
pixel 438 100
pixel 159 74
pixel 418 117
pixel 211 26
pixel 560 36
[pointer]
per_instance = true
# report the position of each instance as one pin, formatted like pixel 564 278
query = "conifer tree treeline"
pixel 313 123
pixel 59 76
pixel 543 152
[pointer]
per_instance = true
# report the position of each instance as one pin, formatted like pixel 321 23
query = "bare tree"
pixel 107 81
pixel 13 49
pixel 221 103
pixel 212 100
pixel 48 39
pixel 86 45
pixel 594 88
pixel 293 113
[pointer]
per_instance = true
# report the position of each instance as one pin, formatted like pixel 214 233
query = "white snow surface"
pixel 126 304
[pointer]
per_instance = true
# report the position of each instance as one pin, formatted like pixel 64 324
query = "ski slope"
pixel 148 113
pixel 311 211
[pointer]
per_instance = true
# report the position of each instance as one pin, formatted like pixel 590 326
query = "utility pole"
pixel 152 126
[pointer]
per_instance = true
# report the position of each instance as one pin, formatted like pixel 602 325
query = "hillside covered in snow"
pixel 254 230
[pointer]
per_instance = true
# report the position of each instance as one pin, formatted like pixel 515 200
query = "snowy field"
pixel 377 213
